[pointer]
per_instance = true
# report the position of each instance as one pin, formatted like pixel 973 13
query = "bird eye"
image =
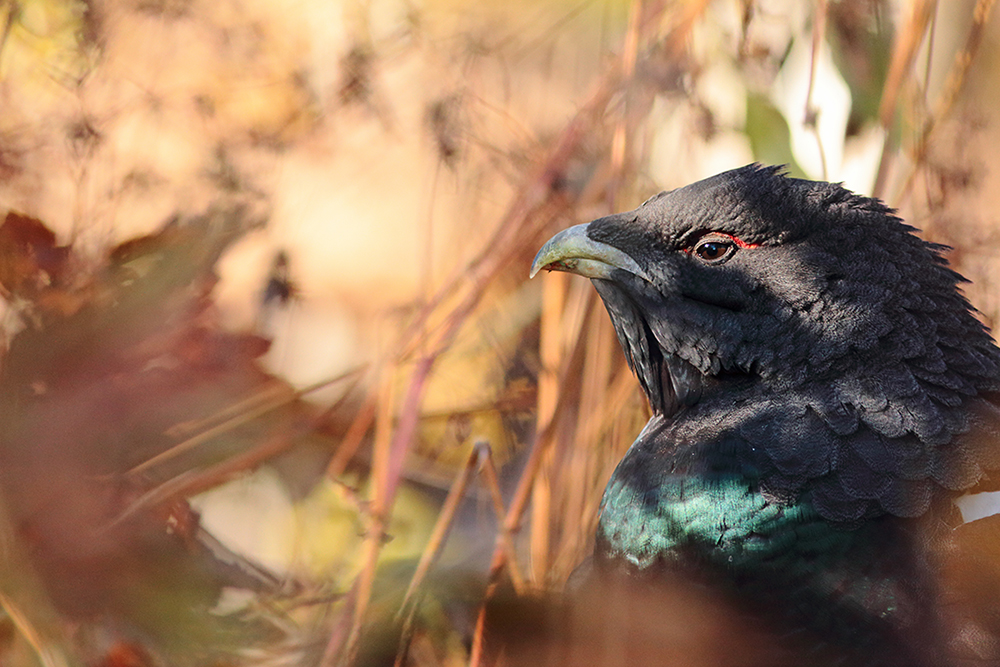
pixel 714 250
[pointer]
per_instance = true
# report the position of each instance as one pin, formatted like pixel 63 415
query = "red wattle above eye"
pixel 721 236
pixel 740 243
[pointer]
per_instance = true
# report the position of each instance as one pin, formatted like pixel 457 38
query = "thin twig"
pixel 810 116
pixel 910 37
pixel 488 473
pixel 375 532
pixel 952 87
pixel 352 439
pixel 244 412
pixel 48 655
pixel 442 527
pixel 618 141
pixel 192 482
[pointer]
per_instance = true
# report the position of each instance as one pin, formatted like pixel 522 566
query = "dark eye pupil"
pixel 711 250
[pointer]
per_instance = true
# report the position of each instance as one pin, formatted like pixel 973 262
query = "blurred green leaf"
pixel 768 132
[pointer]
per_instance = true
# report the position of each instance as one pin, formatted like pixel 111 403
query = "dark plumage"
pixel 821 391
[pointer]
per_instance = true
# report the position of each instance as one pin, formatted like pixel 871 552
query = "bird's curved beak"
pixel 572 250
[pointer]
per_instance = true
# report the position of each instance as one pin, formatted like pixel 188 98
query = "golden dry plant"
pixel 275 388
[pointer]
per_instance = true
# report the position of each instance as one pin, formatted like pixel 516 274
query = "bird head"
pixel 751 276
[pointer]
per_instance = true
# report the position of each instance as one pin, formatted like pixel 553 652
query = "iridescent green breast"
pixel 724 520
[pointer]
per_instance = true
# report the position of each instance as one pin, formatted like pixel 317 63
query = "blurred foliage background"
pixel 275 388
